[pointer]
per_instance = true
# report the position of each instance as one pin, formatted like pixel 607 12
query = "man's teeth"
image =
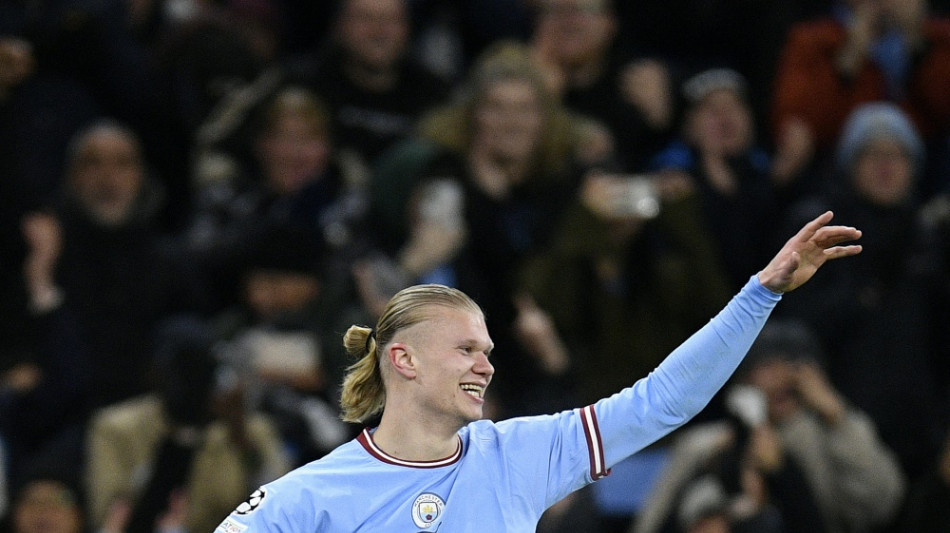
pixel 474 390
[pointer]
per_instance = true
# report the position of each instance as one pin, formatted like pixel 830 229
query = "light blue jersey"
pixel 504 475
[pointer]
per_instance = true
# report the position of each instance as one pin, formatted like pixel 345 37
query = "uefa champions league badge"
pixel 427 509
pixel 251 504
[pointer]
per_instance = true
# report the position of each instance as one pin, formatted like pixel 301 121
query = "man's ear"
pixel 402 360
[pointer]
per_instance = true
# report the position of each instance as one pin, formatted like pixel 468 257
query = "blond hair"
pixel 452 126
pixel 364 393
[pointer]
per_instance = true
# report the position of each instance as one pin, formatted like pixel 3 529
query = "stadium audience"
pixel 864 51
pixel 144 146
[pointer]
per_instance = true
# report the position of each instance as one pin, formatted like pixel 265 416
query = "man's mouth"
pixel 476 391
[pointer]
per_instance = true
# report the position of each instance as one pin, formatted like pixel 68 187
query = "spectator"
pixel 719 157
pixel 628 272
pixel 293 177
pixel 613 274
pixel 794 418
pixel 47 502
pixel 880 325
pixel 575 43
pixel 39 112
pixel 185 454
pixel 44 388
pixel 867 51
pixel 117 273
pixel 693 36
pixel 282 339
pixel 705 507
pixel 625 252
pixel 374 88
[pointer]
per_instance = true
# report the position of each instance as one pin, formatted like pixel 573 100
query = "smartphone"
pixel 635 195
pixel 748 404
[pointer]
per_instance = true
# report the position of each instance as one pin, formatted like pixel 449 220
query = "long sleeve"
pixel 684 383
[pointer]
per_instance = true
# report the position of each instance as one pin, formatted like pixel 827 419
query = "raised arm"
pixel 688 378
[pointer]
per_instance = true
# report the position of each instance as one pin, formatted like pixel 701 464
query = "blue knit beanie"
pixel 877 120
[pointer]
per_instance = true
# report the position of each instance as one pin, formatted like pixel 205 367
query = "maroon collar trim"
pixel 366 440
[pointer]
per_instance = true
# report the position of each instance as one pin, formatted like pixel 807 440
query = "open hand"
pixel 818 394
pixel 535 329
pixel 645 84
pixel 804 253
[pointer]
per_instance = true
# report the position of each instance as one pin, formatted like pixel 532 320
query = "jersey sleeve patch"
pixel 230 526
pixel 252 502
pixel 595 446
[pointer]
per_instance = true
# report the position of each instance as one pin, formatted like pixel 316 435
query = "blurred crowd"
pixel 198 197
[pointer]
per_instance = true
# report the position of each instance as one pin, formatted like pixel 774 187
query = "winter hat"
pixel 701 85
pixel 873 121
pixel 783 339
pixel 703 498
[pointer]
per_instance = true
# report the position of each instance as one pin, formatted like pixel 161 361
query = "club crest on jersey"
pixel 427 509
pixel 253 501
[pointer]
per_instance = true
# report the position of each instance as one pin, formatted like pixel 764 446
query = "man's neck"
pixel 416 439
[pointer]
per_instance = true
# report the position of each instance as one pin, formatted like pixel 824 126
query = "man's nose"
pixel 483 365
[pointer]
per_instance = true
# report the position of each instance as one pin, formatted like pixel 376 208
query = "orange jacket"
pixel 809 86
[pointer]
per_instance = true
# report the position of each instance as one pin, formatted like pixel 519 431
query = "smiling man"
pixel 433 463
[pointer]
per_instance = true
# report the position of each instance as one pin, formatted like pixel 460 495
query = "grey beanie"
pixel 702 498
pixel 874 121
pixel 701 85
pixel 783 339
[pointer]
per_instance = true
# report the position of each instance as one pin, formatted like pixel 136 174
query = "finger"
pixel 838 252
pixel 810 229
pixel 832 235
pixel 834 239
